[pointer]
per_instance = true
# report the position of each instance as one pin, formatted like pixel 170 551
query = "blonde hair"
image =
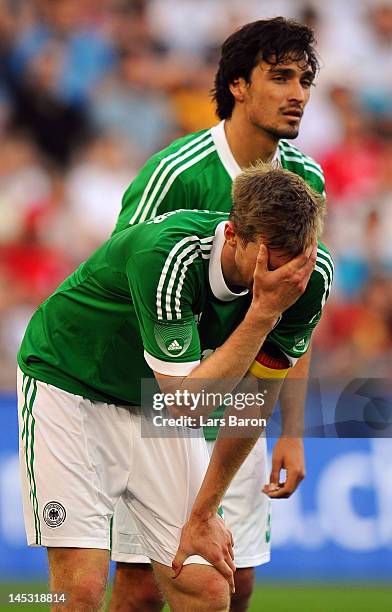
pixel 277 205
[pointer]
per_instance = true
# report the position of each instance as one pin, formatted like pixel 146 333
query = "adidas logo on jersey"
pixel 301 344
pixel 174 346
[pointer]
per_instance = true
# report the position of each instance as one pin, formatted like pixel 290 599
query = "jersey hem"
pixel 69 542
pixel 129 558
pixel 62 385
pixel 241 562
pixel 169 368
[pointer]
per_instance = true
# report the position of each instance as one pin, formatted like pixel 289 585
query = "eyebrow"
pixel 289 72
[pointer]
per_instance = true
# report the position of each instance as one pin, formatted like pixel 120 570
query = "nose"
pixel 297 91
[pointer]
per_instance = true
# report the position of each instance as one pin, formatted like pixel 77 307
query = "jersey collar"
pixel 225 154
pixel 215 274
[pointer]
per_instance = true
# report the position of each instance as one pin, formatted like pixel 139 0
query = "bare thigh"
pixel 198 588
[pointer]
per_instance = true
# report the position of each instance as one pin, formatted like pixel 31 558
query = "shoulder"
pixel 185 152
pixel 181 163
pixel 178 230
pixel 294 160
pixel 321 280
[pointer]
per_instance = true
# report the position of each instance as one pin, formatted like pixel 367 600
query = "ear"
pixel 238 89
pixel 230 234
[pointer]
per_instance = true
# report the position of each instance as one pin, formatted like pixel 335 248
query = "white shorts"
pixel 246 511
pixel 79 458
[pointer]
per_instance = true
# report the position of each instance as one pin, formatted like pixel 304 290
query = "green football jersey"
pixel 197 171
pixel 153 297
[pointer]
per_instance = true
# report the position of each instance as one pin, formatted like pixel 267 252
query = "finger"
pixel 178 562
pixel 308 267
pixel 270 488
pixel 282 492
pixel 227 572
pixel 291 482
pixel 262 259
pixel 275 470
pixel 311 251
pixel 231 551
pixel 304 260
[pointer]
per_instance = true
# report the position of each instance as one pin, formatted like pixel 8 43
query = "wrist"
pixel 203 515
pixel 260 318
pixel 293 435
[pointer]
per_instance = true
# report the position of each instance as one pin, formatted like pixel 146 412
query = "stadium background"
pixel 88 90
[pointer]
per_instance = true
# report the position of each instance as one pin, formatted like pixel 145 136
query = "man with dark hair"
pixel 146 305
pixel 262 86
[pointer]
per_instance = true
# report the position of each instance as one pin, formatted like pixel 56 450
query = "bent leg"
pixel 135 589
pixel 244 581
pixel 80 573
pixel 198 588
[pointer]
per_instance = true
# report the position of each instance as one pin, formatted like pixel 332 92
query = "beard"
pixel 289 133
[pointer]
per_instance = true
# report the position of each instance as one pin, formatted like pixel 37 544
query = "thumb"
pixel 275 472
pixel 178 562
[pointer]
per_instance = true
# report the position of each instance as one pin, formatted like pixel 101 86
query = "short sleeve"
pixel 163 291
pixel 149 195
pixel 294 331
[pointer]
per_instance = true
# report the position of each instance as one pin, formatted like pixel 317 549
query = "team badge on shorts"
pixel 54 514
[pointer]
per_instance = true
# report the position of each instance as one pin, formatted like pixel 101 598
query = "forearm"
pixel 223 370
pixel 293 397
pixel 230 452
pixel 227 457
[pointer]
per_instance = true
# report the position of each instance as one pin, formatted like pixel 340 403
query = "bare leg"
pixel 244 581
pixel 198 588
pixel 80 573
pixel 135 589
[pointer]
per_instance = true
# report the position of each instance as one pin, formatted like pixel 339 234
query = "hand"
pixel 274 291
pixel 288 454
pixel 212 540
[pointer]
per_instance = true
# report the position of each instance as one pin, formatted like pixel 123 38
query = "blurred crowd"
pixel 89 90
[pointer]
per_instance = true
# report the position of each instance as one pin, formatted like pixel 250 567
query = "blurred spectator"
pixel 89 90
pixel 129 27
pixel 188 27
pixel 23 181
pixel 55 125
pixel 30 266
pixel 351 168
pixel 86 54
pixel 132 103
pixel 355 339
pixel 94 188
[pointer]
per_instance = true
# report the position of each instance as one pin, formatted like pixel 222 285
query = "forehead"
pixel 294 65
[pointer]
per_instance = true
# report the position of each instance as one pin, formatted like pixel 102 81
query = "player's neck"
pixel 229 269
pixel 247 142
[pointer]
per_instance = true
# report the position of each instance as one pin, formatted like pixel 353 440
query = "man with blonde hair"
pixel 262 85
pixel 146 305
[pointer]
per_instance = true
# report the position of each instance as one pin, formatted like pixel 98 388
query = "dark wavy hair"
pixel 271 40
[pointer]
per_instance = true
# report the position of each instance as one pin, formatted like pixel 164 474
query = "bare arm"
pixel 273 292
pixel 288 452
pixel 228 455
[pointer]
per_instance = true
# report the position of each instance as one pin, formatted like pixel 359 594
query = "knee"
pixel 135 589
pixel 148 596
pixel 88 592
pixel 244 581
pixel 214 594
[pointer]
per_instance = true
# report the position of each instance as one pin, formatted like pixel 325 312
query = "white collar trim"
pixel 226 156
pixel 224 151
pixel 215 274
